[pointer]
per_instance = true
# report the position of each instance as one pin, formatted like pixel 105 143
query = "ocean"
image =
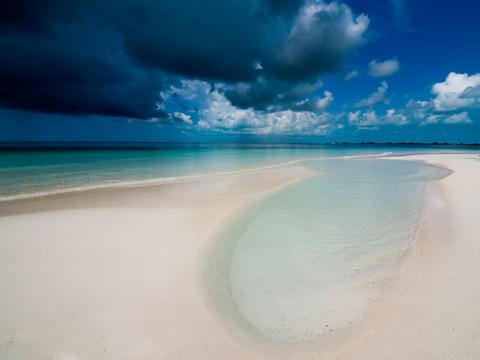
pixel 37 172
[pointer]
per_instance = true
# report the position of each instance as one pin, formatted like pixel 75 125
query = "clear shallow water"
pixel 26 173
pixel 310 259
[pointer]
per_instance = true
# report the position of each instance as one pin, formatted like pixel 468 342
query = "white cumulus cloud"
pixel 374 98
pixel 460 118
pixel 351 75
pixel 183 117
pixel 383 68
pixel 370 119
pixel 325 101
pixel 221 115
pixel 363 119
pixel 395 117
pixel 457 92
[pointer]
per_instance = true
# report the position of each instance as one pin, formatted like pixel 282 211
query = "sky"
pixel 240 70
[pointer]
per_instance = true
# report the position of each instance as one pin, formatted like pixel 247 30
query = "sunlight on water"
pixel 311 258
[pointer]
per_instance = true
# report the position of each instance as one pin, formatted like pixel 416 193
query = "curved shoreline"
pixel 360 341
pixel 125 264
pixel 232 316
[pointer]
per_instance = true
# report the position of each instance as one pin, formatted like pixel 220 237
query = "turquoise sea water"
pixel 27 173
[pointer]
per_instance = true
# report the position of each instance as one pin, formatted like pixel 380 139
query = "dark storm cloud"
pixel 207 39
pixel 35 15
pixel 320 38
pixel 270 93
pixel 53 75
pixel 114 57
pixel 283 6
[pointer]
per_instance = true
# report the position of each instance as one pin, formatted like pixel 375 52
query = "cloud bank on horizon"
pixel 255 67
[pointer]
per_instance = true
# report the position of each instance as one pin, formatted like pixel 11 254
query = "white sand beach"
pixel 115 274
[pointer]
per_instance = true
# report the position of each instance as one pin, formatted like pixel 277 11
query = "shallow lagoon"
pixel 312 258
